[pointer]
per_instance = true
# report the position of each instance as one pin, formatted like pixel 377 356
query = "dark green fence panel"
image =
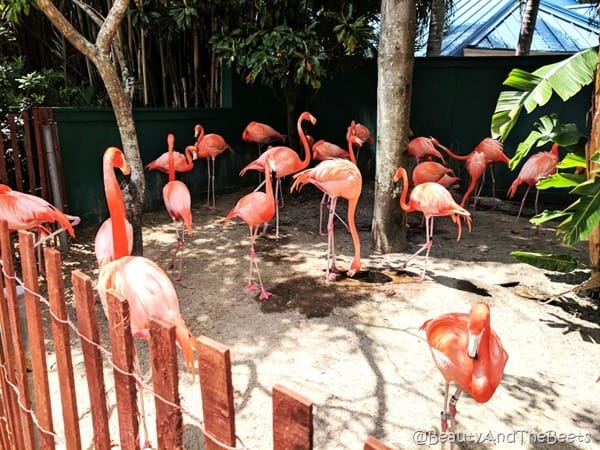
pixel 453 100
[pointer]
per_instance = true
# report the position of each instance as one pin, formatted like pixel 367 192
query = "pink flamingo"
pixel 433 200
pixel 362 132
pixel 323 150
pixel 336 178
pixel 476 164
pixel 210 146
pixel 434 172
pixel 178 203
pixel 261 134
pixel 467 351
pixel 256 208
pixel 147 288
pixel 425 148
pixel 539 165
pixel 286 161
pixel 104 241
pixel 183 162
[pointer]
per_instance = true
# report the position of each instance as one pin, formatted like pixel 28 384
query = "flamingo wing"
pixel 177 198
pixel 103 242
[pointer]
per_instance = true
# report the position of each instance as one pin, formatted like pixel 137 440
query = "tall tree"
pixel 436 27
pixel 527 27
pixel 394 90
pixel 99 53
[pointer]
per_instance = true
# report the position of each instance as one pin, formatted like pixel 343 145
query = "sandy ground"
pixel 354 347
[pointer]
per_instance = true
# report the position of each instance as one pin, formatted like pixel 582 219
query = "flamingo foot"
pixel 444 422
pixel 252 286
pixel 209 206
pixel 178 278
pixel 264 294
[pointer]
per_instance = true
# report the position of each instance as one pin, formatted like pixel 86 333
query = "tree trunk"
pixel 436 27
pixel 527 27
pixel 592 145
pixel 394 90
pixel 99 53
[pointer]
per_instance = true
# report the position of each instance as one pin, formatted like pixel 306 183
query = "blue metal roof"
pixel 478 27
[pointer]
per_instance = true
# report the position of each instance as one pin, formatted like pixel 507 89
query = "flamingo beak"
pixel 473 344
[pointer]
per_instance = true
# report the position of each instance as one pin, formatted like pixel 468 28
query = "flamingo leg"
pixel 277 193
pixel 207 205
pixel 444 413
pixel 452 408
pixel 493 181
pixel 323 201
pixel 331 272
pixel 426 246
pixel 264 294
pixel 214 203
pixel 179 250
pixel 520 209
pixel 144 439
pixel 252 286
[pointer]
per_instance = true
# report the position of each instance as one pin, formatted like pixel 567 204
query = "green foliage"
pixel 564 78
pixel 547 261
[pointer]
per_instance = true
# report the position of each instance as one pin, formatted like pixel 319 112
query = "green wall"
pixel 453 100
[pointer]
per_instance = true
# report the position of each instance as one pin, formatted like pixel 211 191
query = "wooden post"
pixel 217 393
pixel 37 343
pixel 62 347
pixel 375 444
pixel 87 323
pixel 165 379
pixel 292 420
pixel 121 343
pixel 18 372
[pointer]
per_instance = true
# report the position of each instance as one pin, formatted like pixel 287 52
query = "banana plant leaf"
pixel 548 261
pixel 571 160
pixel 565 78
pixel 560 180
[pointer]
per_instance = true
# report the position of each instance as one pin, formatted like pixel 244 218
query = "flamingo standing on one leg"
pixel 467 351
pixel 104 242
pixel 183 162
pixel 178 203
pixel 433 200
pixel 336 178
pixel 476 164
pixel 285 160
pixel 147 288
pixel 261 134
pixel 539 165
pixel 256 208
pixel 210 146
pixel 353 141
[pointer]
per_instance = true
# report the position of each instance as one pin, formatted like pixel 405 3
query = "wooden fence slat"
pixel 16 153
pixel 292 420
pixel 18 373
pixel 42 166
pixel 165 379
pixel 121 343
pixel 217 393
pixel 28 153
pixel 14 431
pixel 87 323
pixel 37 342
pixel 62 347
pixel 375 444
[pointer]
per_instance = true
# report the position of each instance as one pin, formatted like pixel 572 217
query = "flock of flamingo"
pixel 463 345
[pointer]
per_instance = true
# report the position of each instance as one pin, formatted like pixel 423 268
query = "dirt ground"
pixel 353 346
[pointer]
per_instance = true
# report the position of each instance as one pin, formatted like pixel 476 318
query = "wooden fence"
pixel 26 409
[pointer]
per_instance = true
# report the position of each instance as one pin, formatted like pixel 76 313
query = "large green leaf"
pixel 560 180
pixel 565 78
pixel 548 261
pixel 571 160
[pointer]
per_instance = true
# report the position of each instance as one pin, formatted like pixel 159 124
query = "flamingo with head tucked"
pixel 539 165
pixel 336 178
pixel 261 134
pixel 286 161
pixel 467 351
pixel 183 162
pixel 433 200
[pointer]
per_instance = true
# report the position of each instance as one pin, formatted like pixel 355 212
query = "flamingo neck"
pixel 171 159
pixel 116 209
pixel 189 157
pixel 405 207
pixel 554 150
pixel 305 145
pixel 351 149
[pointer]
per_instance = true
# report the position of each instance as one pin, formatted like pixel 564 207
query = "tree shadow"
pixel 588 334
